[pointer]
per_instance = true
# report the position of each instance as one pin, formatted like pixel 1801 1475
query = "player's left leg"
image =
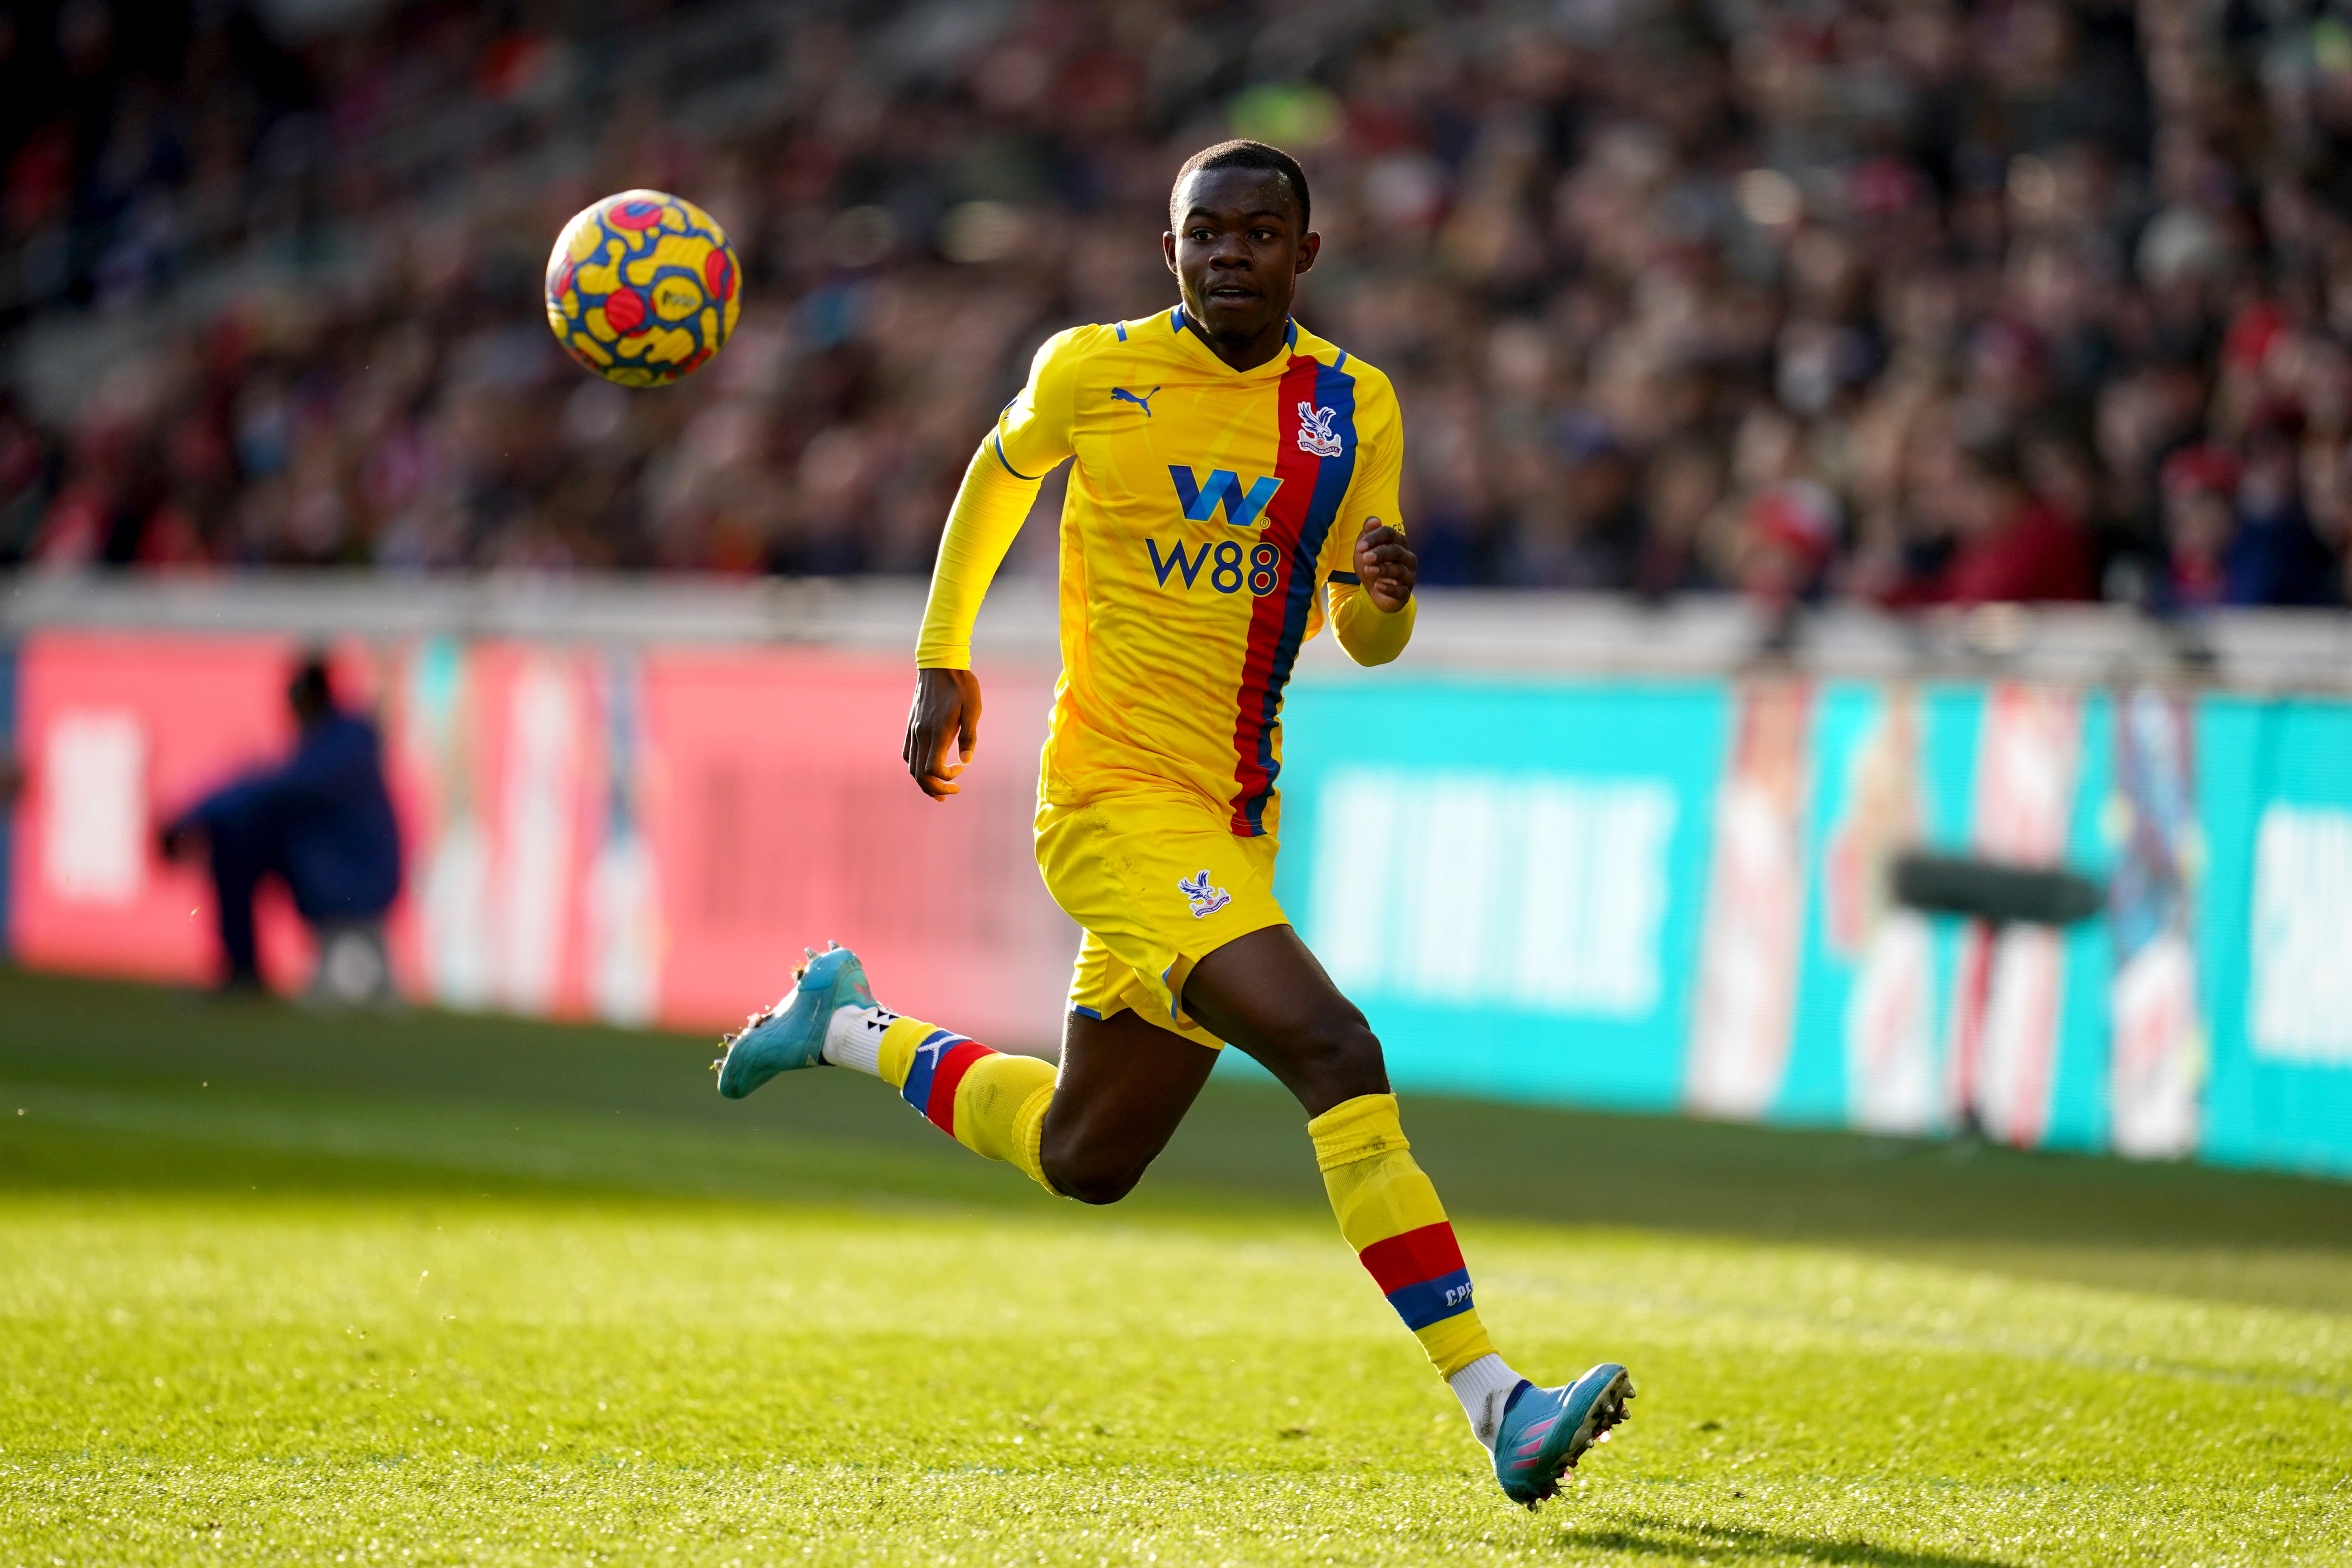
pixel 1264 993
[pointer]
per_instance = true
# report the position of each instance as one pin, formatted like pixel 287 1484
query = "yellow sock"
pixel 1389 1214
pixel 992 1102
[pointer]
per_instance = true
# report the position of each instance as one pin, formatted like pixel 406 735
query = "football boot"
pixel 1544 1431
pixel 791 1034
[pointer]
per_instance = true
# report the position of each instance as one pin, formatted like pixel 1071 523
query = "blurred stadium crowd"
pixel 1886 300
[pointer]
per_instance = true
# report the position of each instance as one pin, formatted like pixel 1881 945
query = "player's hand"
pixel 1385 566
pixel 946 711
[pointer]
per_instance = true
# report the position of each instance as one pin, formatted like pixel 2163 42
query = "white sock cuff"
pixel 1484 1375
pixel 1483 1386
pixel 853 1037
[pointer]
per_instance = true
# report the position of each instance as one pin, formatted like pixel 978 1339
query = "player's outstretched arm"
pixel 1000 485
pixel 989 510
pixel 1373 618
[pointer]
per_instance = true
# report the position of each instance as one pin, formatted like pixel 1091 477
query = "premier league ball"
pixel 643 288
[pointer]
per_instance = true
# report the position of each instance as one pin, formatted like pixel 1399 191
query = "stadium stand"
pixel 1911 304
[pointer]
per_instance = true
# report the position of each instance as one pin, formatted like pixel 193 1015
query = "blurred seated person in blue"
pixel 320 823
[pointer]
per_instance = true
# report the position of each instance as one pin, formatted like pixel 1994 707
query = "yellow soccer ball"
pixel 643 288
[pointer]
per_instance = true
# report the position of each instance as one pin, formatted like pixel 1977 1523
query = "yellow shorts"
pixel 1159 882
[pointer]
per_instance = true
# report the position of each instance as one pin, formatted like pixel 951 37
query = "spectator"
pixel 2237 533
pixel 1782 523
pixel 1685 485
pixel 2274 558
pixel 2005 543
pixel 2200 485
pixel 320 823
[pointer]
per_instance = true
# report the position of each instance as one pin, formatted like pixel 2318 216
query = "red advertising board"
pixel 642 837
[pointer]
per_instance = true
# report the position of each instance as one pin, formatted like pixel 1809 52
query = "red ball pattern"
pixel 626 309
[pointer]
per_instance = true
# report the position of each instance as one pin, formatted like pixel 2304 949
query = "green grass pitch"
pixel 423 1289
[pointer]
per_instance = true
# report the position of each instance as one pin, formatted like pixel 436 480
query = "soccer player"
pixel 1235 487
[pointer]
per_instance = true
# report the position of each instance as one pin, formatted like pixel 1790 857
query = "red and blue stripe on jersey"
pixel 941 1062
pixel 1298 521
pixel 1422 1274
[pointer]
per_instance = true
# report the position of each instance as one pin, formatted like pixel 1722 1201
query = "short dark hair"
pixel 1244 155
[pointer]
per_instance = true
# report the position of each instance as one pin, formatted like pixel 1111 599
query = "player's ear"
pixel 1167 250
pixel 1310 245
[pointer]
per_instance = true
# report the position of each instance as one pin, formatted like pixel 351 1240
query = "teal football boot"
pixel 792 1033
pixel 1545 1431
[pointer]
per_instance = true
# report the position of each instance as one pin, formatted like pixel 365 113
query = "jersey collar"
pixel 1178 324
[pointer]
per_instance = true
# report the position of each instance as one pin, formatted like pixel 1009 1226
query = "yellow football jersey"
pixel 1210 512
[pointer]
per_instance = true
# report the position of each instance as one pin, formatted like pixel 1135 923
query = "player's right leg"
pixel 992 1102
pixel 1125 1085
pixel 1087 1133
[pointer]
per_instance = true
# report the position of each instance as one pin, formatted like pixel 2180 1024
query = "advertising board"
pixel 1640 893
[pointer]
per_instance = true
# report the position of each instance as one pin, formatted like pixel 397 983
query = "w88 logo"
pixel 1228 567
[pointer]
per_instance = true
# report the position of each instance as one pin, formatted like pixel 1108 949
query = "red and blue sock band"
pixel 941 1062
pixel 1422 1274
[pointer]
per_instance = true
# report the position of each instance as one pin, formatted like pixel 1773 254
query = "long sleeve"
pixel 989 509
pixel 1000 484
pixel 1368 633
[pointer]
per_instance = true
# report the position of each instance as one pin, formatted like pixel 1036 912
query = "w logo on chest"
pixel 1222 487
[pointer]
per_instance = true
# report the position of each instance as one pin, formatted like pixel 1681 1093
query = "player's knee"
pixel 1092 1184
pixel 1097 1190
pixel 1089 1176
pixel 1340 1044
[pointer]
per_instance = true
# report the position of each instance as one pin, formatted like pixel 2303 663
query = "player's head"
pixel 1237 237
pixel 1257 156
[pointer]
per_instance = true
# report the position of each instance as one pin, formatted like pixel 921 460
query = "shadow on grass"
pixel 133 1087
pixel 1651 1537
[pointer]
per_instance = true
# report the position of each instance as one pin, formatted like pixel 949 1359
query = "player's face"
pixel 1237 249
